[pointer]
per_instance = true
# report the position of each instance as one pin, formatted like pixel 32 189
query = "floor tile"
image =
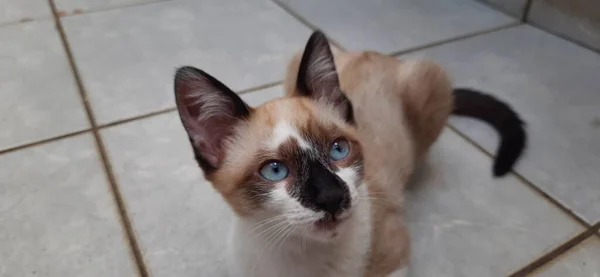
pixel 578 20
pixel 512 7
pixel 181 221
pixel 57 214
pixel 79 6
pixel 23 10
pixel 256 98
pixel 553 84
pixel 465 223
pixel 128 56
pixel 393 25
pixel 38 92
pixel 581 261
pixel 179 218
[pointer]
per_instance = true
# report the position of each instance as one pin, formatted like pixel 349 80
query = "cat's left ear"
pixel 318 78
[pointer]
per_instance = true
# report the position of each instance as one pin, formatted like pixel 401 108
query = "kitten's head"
pixel 293 162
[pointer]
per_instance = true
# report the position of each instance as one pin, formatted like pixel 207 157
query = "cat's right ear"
pixel 209 111
pixel 318 78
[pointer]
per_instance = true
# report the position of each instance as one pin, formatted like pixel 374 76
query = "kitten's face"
pixel 295 162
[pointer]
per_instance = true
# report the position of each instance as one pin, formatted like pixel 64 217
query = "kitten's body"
pixel 349 143
pixel 393 137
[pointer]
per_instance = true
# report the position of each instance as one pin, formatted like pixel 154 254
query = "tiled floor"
pixel 60 214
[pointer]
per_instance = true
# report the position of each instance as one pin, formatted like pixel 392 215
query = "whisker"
pixel 267 221
pixel 268 230
pixel 289 231
pixel 269 242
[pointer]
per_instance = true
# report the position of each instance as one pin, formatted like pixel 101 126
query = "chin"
pixel 326 229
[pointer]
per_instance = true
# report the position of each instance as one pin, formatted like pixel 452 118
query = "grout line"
pixel 556 252
pixel 524 180
pixel 564 37
pixel 126 221
pixel 135 248
pixel 43 141
pixel 593 230
pixel 260 87
pixel 28 19
pixel 454 39
pixel 526 10
pixel 122 121
pixel 566 246
pixel 62 13
pixel 172 109
pixel 307 23
pixel 25 20
pixel 137 117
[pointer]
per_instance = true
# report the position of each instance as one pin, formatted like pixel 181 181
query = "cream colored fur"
pixel 316 179
pixel 255 255
pixel 400 109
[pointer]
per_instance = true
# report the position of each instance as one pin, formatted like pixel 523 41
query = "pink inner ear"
pixel 209 112
pixel 209 122
pixel 317 75
pixel 318 78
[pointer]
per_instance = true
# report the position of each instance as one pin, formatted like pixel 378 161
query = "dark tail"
pixel 475 104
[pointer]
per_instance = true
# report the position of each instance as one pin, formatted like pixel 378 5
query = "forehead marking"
pixel 284 131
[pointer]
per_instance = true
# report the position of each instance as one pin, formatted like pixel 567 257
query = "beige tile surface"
pixel 553 85
pixel 78 6
pixel 463 222
pixel 181 221
pixel 582 261
pixel 578 20
pixel 14 11
pixel 57 215
pixel 127 57
pixel 515 8
pixel 394 25
pixel 38 96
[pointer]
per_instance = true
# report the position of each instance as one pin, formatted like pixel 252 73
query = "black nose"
pixel 332 201
pixel 324 191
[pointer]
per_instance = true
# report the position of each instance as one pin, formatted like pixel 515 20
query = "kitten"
pixel 316 178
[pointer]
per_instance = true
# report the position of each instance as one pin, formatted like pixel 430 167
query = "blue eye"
pixel 274 171
pixel 339 149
